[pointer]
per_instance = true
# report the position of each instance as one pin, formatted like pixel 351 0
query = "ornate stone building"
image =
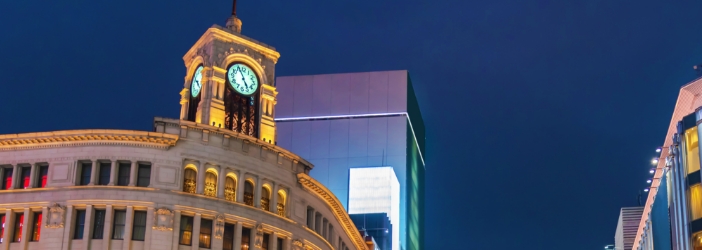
pixel 213 179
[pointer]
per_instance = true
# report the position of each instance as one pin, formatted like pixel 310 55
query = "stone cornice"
pixel 222 34
pixel 88 137
pixel 327 196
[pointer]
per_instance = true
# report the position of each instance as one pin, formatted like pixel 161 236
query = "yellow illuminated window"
pixel 696 201
pixel 692 150
pixel 697 241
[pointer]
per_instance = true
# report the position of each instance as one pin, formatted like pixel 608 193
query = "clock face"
pixel 196 84
pixel 242 79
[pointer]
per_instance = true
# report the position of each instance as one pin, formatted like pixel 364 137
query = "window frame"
pixel 104 172
pixel 99 224
pixel 120 177
pixel 19 224
pixel 79 225
pixel 201 242
pixel 42 177
pixel 82 178
pixel 36 227
pixel 7 174
pixel 25 177
pixel 182 230
pixel 135 226
pixel 115 224
pixel 3 217
pixel 140 178
pixel 228 236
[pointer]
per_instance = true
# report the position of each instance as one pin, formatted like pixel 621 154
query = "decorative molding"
pixel 219 226
pixel 56 216
pixel 259 235
pixel 298 244
pixel 339 212
pixel 163 221
pixel 87 138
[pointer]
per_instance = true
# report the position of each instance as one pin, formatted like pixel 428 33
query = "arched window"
pixel 230 189
pixel 281 203
pixel 210 184
pixel 248 193
pixel 189 182
pixel 266 199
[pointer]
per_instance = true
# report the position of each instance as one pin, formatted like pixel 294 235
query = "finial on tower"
pixel 234 23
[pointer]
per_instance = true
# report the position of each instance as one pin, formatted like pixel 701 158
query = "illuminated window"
pixel 265 199
pixel 86 169
pixel 26 177
pixel 144 175
pixel 19 223
pixel 186 230
pixel 697 241
pixel 42 176
pixel 210 184
pixel 104 175
pixel 245 238
pixel 80 225
pixel 123 173
pixel 2 227
pixel 139 227
pixel 99 224
pixel 36 226
pixel 228 237
pixel 118 224
pixel 248 193
pixel 692 150
pixel 696 201
pixel 281 203
pixel 6 178
pixel 205 233
pixel 230 189
pixel 189 182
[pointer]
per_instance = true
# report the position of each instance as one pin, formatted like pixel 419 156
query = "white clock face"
pixel 196 84
pixel 242 79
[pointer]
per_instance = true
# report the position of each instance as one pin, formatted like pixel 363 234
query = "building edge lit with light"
pixel 212 179
pixel 672 216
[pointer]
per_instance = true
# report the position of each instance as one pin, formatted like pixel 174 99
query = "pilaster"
pixel 196 231
pixel 132 174
pixel 237 235
pixel 88 229
pixel 128 227
pixel 113 173
pixel 107 229
pixel 26 225
pixel 93 173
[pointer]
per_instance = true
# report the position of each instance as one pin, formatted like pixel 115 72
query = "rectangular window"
pixel 80 225
pixel 85 170
pixel 205 233
pixel 2 227
pixel 228 237
pixel 264 244
pixel 6 178
pixel 104 177
pixel 186 230
pixel 692 148
pixel 42 176
pixel 144 175
pixel 99 224
pixel 26 177
pixel 280 244
pixel 139 228
pixel 118 225
pixel 123 175
pixel 19 223
pixel 245 238
pixel 36 226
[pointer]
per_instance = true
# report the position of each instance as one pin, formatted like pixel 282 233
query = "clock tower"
pixel 230 82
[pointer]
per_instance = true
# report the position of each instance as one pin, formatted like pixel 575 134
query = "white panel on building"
pixel 376 190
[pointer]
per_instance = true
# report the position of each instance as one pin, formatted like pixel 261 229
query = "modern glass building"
pixel 344 121
pixel 376 190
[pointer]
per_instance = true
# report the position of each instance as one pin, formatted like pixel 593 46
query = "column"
pixel 15 169
pixel 68 228
pixel 240 188
pixel 93 173
pixel 200 189
pixel 286 243
pixel 175 242
pixel 107 230
pixel 196 231
pixel 9 222
pixel 149 224
pixel 87 231
pixel 273 241
pixel 252 239
pixel 132 174
pixel 220 183
pixel 26 222
pixel 128 227
pixel 33 175
pixel 113 173
pixel 274 199
pixel 257 193
pixel 237 235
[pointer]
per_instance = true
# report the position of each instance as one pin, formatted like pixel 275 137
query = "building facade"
pixel 213 179
pixel 344 121
pixel 627 225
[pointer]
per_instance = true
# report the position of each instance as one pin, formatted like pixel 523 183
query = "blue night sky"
pixel 542 116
